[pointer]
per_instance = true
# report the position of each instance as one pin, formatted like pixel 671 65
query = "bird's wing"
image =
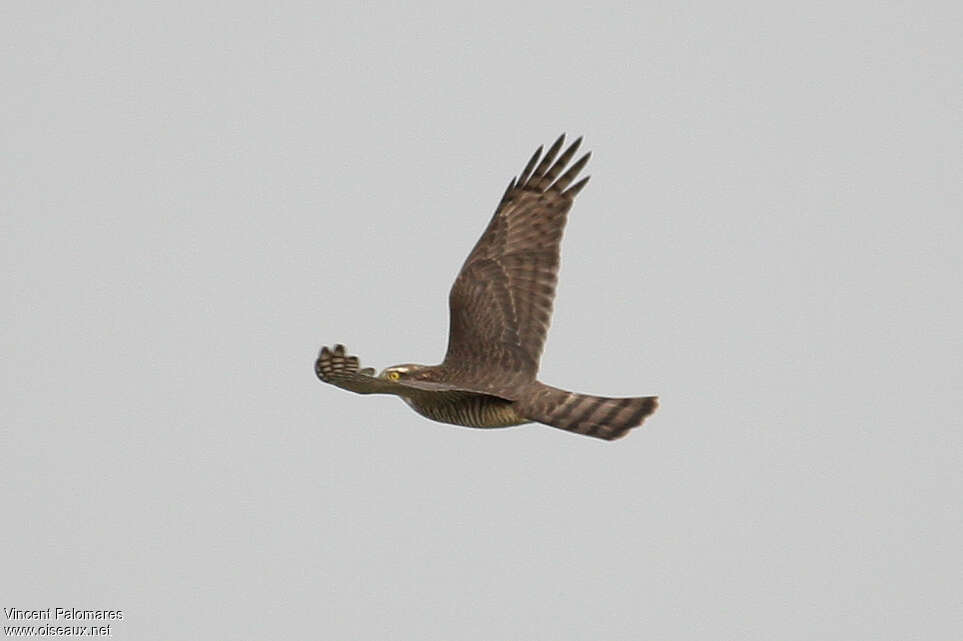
pixel 501 301
pixel 336 367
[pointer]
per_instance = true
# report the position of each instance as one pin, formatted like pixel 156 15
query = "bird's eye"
pixel 393 376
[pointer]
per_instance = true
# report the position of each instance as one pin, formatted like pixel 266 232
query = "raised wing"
pixel 501 301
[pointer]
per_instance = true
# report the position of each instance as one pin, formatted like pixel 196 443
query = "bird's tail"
pixel 598 416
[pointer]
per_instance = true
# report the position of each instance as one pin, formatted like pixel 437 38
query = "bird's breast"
pixel 467 409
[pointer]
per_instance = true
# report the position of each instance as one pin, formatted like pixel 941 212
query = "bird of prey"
pixel 500 308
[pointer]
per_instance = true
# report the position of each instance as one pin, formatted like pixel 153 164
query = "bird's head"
pixel 399 372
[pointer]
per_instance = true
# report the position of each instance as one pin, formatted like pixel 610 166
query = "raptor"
pixel 500 309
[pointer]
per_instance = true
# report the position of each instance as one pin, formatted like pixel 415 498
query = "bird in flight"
pixel 500 308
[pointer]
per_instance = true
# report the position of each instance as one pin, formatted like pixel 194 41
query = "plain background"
pixel 196 197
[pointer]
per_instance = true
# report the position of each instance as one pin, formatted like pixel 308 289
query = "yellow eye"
pixel 393 376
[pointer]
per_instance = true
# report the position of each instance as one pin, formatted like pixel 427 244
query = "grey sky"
pixel 195 199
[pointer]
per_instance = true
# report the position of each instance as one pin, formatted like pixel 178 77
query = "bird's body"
pixel 500 309
pixel 467 409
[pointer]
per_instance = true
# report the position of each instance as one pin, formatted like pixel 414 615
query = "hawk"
pixel 500 309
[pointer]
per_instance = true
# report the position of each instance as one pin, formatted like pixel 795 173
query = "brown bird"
pixel 500 309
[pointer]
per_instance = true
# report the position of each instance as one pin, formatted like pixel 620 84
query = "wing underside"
pixel 501 302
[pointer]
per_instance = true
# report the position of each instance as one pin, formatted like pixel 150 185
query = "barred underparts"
pixel 500 308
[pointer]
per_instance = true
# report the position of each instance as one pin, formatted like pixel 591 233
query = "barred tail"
pixel 608 418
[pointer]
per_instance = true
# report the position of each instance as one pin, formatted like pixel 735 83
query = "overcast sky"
pixel 195 198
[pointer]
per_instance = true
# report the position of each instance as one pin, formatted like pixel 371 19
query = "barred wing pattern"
pixel 336 367
pixel 501 302
pixel 500 308
pixel 438 401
